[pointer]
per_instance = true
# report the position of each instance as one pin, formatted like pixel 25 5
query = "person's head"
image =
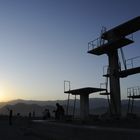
pixel 57 104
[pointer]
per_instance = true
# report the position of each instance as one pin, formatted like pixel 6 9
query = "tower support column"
pixel 114 83
pixel 84 106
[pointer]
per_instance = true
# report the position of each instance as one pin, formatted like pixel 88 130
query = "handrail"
pixel 100 41
pixel 103 85
pixel 105 69
pixel 133 91
pixel 69 85
pixel 94 43
pixel 130 61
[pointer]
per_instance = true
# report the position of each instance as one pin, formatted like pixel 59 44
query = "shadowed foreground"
pixel 19 130
pixel 22 129
pixel 69 131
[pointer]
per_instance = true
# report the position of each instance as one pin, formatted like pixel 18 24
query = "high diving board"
pixel 112 45
pixel 124 29
pixel 127 72
pixel 86 90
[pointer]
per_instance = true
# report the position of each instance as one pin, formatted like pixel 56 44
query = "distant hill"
pixel 97 106
pixel 24 109
pixel 94 102
pixel 41 103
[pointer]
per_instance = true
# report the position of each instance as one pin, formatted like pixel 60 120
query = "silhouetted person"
pixel 29 118
pixel 30 115
pixel 10 116
pixel 46 114
pixel 18 114
pixel 59 113
pixel 33 114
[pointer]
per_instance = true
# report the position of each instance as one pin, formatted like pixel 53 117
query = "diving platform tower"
pixel 109 43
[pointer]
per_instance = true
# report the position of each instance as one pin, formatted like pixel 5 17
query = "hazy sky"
pixel 44 42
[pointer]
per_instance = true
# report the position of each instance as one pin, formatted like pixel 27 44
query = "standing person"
pixel 10 116
pixel 30 115
pixel 29 118
pixel 46 114
pixel 62 112
pixel 59 113
pixel 33 114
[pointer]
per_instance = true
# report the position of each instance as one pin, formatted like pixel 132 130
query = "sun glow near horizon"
pixel 7 91
pixel 11 91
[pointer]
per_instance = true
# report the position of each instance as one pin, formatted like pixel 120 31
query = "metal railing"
pixel 96 43
pixel 93 44
pixel 105 69
pixel 133 62
pixel 133 91
pixel 67 85
pixel 104 86
pixel 100 41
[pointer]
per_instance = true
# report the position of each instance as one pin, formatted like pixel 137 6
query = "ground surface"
pixel 23 129
pixel 19 130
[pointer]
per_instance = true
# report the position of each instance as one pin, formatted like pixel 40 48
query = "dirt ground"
pixel 24 129
pixel 19 130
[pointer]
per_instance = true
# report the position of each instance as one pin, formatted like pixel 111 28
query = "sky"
pixel 44 42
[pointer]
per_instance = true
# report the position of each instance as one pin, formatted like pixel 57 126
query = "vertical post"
pixel 128 106
pixel 132 105
pixel 108 99
pixel 74 106
pixel 67 110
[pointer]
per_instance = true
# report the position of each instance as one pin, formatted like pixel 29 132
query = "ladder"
pixel 106 91
pixel 132 93
pixel 69 87
pixel 68 101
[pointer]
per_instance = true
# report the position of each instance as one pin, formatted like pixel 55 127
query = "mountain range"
pixel 97 106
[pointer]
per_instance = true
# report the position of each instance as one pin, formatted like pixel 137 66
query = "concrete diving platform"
pixel 124 29
pixel 104 93
pixel 84 99
pixel 110 46
pixel 127 72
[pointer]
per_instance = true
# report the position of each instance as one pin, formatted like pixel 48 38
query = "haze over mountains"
pixel 97 106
